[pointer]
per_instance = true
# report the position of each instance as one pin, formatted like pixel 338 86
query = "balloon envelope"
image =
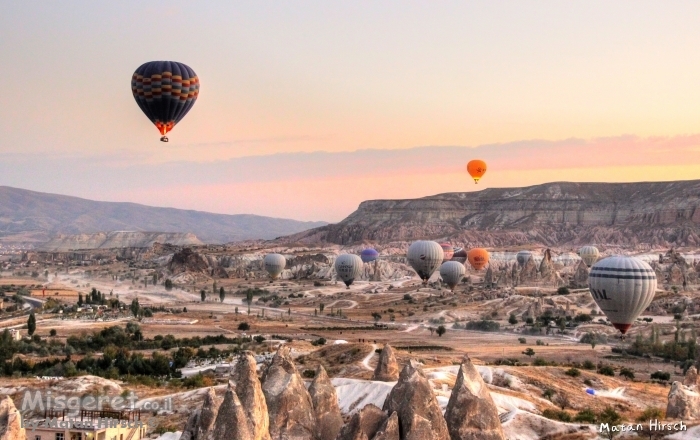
pixel 522 257
pixel 274 264
pixel 623 287
pixel 369 255
pixel 448 251
pixel 452 273
pixel 589 255
pixel 165 91
pixel 478 258
pixel 460 255
pixel 425 257
pixel 348 267
pixel 476 169
pixel 590 391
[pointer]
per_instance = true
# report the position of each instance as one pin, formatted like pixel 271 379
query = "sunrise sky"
pixel 307 108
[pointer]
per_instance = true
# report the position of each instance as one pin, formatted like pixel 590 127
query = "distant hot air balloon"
pixel 425 257
pixel 448 251
pixel 476 169
pixel 623 287
pixel 274 264
pixel 369 255
pixel 452 273
pixel 165 91
pixel 460 255
pixel 522 257
pixel 478 258
pixel 589 255
pixel 348 267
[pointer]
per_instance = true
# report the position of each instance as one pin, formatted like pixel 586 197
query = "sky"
pixel 308 108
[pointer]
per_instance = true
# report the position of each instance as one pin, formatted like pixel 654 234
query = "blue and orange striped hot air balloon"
pixel 165 91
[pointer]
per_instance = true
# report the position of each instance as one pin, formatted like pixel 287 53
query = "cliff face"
pixel 552 214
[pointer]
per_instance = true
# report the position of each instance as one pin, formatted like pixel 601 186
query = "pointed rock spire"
pixel 471 413
pixel 289 404
pixel 325 402
pixel 231 423
pixel 420 416
pixel 387 369
pixel 250 393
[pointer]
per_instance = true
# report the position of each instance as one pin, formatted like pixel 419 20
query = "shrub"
pixel 606 370
pixel 309 374
pixel 548 394
pixel 522 340
pixel 320 341
pixel 483 325
pixel 661 375
pixel 540 362
pixel 52 332
pixel 626 373
pixel 555 414
pixel 586 415
pixel 573 372
pixel 243 326
pixel 588 382
pixel 563 291
pixel 651 413
pixel 539 342
pixel 259 339
pixel 588 365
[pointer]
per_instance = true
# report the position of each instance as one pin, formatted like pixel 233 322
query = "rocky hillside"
pixel 552 214
pixel 117 239
pixel 33 216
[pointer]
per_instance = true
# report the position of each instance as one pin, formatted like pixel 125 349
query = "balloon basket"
pixel 164 139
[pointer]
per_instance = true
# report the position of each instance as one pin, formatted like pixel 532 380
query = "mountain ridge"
pixel 550 214
pixel 37 216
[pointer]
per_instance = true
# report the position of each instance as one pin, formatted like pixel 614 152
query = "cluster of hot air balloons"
pixel 425 257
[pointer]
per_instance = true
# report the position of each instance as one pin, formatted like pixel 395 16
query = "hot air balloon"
pixel 589 255
pixel 165 91
pixel 460 255
pixel 369 255
pixel 452 273
pixel 274 264
pixel 448 251
pixel 478 258
pixel 622 287
pixel 348 267
pixel 476 169
pixel 425 257
pixel 522 257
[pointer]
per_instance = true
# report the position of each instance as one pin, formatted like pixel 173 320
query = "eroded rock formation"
pixel 231 422
pixel 683 402
pixel 250 394
pixel 10 421
pixel 420 416
pixel 363 424
pixel 289 404
pixel 471 413
pixel 387 369
pixel 325 402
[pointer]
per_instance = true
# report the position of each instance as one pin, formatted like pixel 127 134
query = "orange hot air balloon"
pixel 476 169
pixel 478 258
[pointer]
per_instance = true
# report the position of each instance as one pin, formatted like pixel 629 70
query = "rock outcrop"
pixel 189 432
pixel 691 377
pixel 207 415
pixel 471 413
pixel 325 402
pixel 363 424
pixel 231 423
pixel 420 416
pixel 387 369
pixel 683 402
pixel 580 278
pixel 10 421
pixel 389 430
pixel 250 394
pixel 289 404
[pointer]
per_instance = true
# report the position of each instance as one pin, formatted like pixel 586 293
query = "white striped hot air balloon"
pixel 274 264
pixel 623 287
pixel 522 257
pixel 348 267
pixel 589 255
pixel 425 257
pixel 452 273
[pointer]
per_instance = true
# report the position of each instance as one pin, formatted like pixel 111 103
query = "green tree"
pixel 52 332
pixel 168 284
pixel 80 299
pixel 135 307
pixel 321 307
pixel 441 330
pixel 203 295
pixel 563 291
pixel 243 326
pixel 529 352
pixel 376 316
pixel 222 293
pixel 512 320
pixel 213 288
pixel 31 324
pixel 236 310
